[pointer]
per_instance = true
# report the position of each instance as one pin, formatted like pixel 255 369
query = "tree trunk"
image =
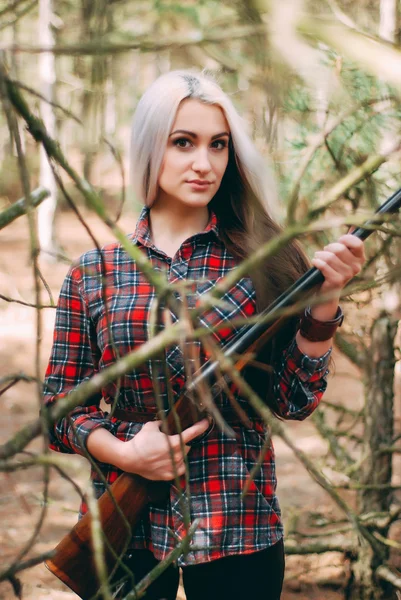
pixel 96 21
pixel 377 467
pixel 47 209
pixel 388 20
pixel 388 28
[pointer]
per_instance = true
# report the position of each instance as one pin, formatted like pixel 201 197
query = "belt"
pixel 134 416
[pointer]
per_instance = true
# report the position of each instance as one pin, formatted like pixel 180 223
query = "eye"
pixel 182 142
pixel 222 145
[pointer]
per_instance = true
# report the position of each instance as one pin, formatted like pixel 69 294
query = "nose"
pixel 201 162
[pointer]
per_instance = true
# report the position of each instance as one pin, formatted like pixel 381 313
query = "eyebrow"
pixel 194 135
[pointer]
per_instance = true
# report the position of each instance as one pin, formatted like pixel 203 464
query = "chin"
pixel 198 203
pixel 195 200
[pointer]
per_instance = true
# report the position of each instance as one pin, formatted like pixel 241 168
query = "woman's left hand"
pixel 339 262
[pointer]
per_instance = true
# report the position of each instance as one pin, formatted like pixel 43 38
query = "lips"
pixel 200 182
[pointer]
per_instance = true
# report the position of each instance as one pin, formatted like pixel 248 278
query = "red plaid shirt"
pixel 219 464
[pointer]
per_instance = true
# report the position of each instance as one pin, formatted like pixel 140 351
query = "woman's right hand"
pixel 149 453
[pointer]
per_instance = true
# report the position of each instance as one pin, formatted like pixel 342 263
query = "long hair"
pixel 246 197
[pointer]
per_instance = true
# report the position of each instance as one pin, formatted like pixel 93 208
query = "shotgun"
pixel 72 561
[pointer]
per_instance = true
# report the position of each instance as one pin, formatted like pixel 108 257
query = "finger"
pixel 195 430
pixel 340 250
pixel 354 255
pixel 331 276
pixel 347 271
pixel 354 244
pixel 346 257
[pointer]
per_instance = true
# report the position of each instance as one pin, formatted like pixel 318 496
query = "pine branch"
pixel 379 58
pixel 319 140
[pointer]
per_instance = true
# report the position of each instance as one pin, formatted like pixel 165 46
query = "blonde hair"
pixel 153 121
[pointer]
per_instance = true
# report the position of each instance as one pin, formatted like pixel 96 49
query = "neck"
pixel 170 226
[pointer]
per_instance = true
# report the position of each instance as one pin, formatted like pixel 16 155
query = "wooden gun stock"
pixel 73 560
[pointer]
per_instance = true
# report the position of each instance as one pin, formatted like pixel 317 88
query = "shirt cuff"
pixel 304 366
pixel 81 429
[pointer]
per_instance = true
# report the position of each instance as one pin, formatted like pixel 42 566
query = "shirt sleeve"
pixel 299 382
pixel 73 359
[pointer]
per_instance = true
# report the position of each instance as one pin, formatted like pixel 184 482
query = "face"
pixel 196 155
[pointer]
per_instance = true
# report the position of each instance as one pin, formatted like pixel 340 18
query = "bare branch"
pixel 349 349
pixel 98 545
pixel 9 214
pixel 144 44
pixel 371 164
pixel 26 564
pixel 30 304
pixel 88 388
pixel 182 548
pixel 19 15
pixel 11 7
pixel 330 544
pixel 388 574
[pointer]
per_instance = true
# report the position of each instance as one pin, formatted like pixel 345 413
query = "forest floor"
pixel 313 577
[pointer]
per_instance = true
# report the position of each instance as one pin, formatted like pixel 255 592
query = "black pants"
pixel 256 576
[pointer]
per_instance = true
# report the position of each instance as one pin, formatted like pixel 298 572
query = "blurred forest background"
pixel 318 83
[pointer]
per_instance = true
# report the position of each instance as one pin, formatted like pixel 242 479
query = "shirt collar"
pixel 142 230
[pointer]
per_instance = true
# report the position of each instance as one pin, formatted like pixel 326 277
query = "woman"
pixel 206 207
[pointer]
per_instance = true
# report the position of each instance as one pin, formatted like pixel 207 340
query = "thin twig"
pixel 98 545
pixel 30 304
pixel 182 548
pixel 26 564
